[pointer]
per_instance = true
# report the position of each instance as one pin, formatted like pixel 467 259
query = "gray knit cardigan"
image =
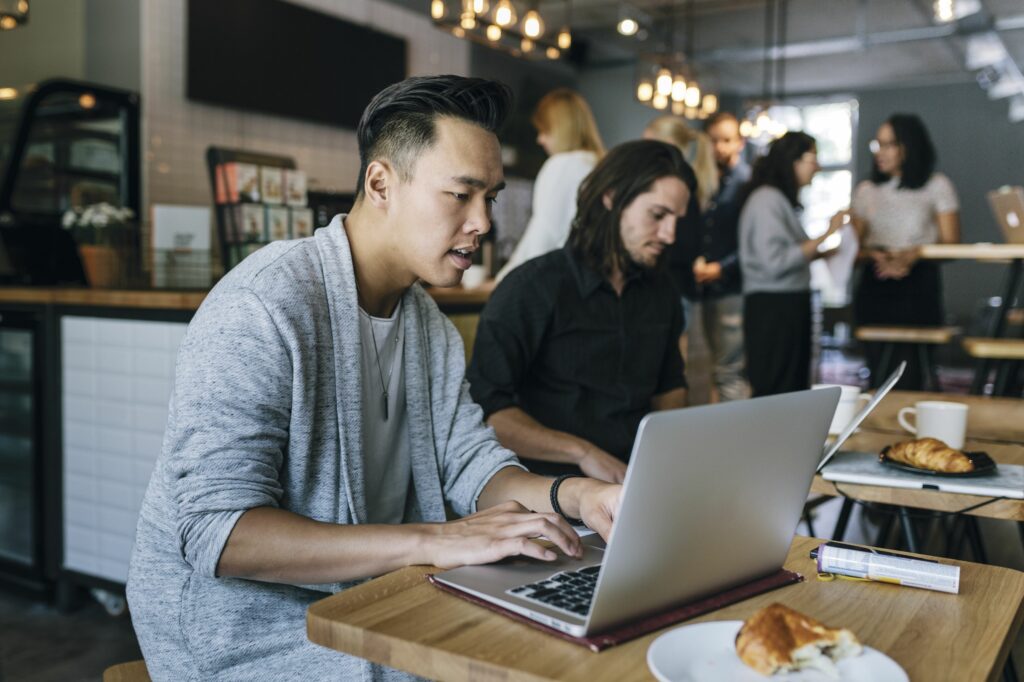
pixel 266 412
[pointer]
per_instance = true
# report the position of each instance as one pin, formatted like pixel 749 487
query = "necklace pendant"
pixel 385 397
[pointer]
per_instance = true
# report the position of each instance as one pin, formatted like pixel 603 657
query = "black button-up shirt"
pixel 557 341
pixel 714 235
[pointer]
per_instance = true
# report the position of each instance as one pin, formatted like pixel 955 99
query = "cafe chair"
pixel 919 338
pixel 133 671
pixel 1005 354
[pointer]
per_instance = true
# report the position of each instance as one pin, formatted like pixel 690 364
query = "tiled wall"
pixel 117 377
pixel 176 131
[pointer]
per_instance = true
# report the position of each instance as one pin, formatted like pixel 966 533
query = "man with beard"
pixel 576 346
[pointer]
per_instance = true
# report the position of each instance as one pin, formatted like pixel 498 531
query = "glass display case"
pixel 63 145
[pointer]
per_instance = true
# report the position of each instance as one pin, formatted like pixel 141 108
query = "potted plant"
pixel 102 232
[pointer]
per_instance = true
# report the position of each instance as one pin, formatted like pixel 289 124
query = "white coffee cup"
pixel 849 405
pixel 474 276
pixel 939 419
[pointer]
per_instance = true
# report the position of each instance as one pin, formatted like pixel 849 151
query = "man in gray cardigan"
pixel 320 420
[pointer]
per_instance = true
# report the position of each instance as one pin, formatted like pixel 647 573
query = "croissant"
pixel 777 639
pixel 931 454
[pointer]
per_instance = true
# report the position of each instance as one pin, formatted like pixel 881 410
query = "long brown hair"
pixel 566 117
pixel 627 171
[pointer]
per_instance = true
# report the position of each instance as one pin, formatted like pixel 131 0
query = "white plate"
pixel 707 651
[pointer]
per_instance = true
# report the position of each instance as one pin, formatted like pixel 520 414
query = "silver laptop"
pixel 711 500
pixel 1008 207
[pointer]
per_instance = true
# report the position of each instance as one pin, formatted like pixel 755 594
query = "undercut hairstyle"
pixel 918 152
pixel 626 172
pixel 776 167
pixel 399 124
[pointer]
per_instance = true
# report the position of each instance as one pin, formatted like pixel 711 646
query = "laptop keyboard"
pixel 569 591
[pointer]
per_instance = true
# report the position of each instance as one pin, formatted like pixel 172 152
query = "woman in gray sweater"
pixel 775 257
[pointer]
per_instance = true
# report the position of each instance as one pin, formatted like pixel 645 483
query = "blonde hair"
pixel 674 130
pixel 566 118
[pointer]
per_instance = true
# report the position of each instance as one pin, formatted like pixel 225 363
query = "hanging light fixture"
pixel 664 82
pixel 504 13
pixel 437 9
pixel 468 20
pixel 645 91
pixel 552 52
pixel 526 45
pixel 761 127
pixel 565 35
pixel 493 33
pixel 678 89
pixel 533 24
pixel 479 7
pixel 627 26
pixel 659 101
pixel 692 97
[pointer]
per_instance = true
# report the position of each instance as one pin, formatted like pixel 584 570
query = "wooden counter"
pixel 454 298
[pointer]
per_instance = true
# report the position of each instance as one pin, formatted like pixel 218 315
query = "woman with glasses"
pixel 775 257
pixel 904 205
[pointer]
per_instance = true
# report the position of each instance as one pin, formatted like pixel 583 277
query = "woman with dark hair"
pixel 904 205
pixel 775 256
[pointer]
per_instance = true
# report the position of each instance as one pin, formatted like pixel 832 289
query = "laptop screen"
pixel 830 451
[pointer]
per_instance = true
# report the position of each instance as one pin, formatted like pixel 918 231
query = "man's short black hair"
pixel 399 122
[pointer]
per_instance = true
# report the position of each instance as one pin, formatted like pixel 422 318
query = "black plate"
pixel 983 465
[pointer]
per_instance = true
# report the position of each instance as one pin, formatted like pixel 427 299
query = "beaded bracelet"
pixel 554 497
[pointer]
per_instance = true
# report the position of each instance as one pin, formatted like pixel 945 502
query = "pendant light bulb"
pixel 480 6
pixel 660 101
pixel 644 91
pixel 494 33
pixel 437 9
pixel 710 104
pixel 504 13
pixel 468 21
pixel 664 82
pixel 533 25
pixel 526 45
pixel 692 98
pixel 627 26
pixel 678 89
pixel 564 38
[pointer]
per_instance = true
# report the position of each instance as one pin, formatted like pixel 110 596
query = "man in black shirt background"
pixel 705 262
pixel 576 346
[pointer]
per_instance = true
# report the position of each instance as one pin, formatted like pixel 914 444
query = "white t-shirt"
pixel 386 460
pixel 554 206
pixel 901 218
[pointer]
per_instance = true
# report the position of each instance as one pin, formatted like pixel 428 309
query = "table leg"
pixel 1013 282
pixel 974 537
pixel 908 530
pixel 844 519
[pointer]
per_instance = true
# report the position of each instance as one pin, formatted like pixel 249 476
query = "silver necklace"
pixel 380 373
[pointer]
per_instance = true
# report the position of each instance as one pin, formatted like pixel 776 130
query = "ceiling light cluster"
pixel 521 31
pixel 667 83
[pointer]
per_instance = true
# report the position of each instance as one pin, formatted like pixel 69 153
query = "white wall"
pixel 176 131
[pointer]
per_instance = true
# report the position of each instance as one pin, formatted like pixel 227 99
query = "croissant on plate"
pixel 931 454
pixel 778 639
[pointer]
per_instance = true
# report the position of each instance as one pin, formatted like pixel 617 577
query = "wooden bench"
pixel 1006 354
pixel 920 338
pixel 133 671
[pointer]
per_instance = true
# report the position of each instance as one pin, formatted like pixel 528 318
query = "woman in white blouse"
pixel 905 205
pixel 567 132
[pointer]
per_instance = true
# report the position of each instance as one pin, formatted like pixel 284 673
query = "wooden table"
pixel 400 620
pixel 989 419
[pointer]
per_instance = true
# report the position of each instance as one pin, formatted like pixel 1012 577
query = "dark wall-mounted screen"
pixel 278 58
